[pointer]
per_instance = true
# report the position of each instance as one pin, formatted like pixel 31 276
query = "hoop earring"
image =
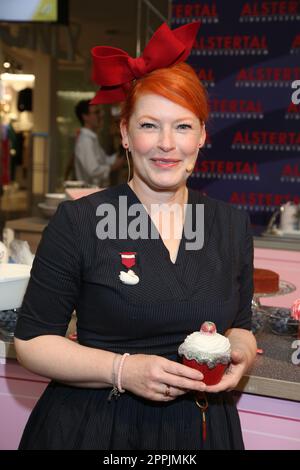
pixel 128 163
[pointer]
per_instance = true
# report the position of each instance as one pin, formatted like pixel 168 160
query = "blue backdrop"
pixel 247 55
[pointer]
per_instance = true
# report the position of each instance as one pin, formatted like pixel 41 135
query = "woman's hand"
pixel 243 353
pixel 234 373
pixel 159 379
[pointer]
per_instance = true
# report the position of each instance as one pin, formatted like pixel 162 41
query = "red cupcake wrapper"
pixel 210 376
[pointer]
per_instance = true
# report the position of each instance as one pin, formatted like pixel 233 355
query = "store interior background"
pixel 55 62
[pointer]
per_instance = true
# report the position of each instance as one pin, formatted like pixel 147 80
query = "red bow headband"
pixel 114 69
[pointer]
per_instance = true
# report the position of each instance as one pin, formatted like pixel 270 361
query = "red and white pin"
pixel 128 259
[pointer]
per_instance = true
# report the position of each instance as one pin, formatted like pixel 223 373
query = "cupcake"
pixel 207 351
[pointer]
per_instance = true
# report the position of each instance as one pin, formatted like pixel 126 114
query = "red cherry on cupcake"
pixel 208 327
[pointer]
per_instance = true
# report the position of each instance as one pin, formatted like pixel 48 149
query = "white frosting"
pixel 205 346
pixel 129 278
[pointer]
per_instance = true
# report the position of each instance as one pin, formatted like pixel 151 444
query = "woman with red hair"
pixel 143 266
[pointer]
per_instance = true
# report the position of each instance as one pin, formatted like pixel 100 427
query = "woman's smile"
pixel 165 163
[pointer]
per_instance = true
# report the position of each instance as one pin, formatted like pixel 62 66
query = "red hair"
pixel 178 83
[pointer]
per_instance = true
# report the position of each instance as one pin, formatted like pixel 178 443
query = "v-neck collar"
pixel 158 237
pixel 183 275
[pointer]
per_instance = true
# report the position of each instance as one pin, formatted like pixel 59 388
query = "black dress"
pixel 74 269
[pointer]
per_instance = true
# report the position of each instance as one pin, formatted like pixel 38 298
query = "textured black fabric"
pixel 73 269
pixel 70 418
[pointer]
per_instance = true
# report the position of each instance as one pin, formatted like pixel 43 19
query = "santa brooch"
pixel 128 259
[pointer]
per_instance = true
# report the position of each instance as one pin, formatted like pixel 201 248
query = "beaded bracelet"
pixel 119 381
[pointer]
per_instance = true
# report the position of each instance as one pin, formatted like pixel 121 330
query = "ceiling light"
pixel 17 77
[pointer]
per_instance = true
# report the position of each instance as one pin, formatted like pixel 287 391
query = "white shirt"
pixel 92 165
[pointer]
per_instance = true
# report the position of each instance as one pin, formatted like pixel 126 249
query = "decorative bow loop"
pixel 114 69
pixel 137 66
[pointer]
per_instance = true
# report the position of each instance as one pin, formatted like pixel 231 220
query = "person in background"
pixel 123 385
pixel 92 164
